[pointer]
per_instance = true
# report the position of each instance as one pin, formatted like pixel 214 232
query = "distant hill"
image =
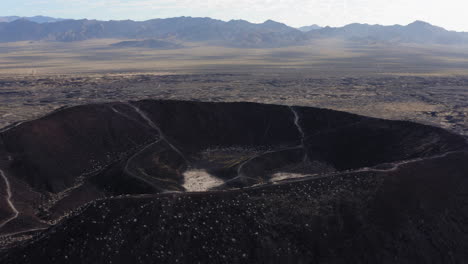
pixel 309 28
pixel 148 43
pixel 237 33
pixel 37 19
pixel 416 32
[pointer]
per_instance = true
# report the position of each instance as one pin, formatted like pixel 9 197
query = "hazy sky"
pixel 451 14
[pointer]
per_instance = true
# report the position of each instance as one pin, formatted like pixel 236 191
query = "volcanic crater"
pixel 248 182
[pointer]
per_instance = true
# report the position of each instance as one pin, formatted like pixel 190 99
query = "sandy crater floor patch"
pixel 197 180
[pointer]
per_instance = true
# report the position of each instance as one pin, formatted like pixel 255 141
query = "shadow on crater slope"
pixel 235 182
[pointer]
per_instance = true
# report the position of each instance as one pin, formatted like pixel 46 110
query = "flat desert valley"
pixel 426 84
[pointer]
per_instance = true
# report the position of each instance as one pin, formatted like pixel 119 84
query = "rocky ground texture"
pixel 435 100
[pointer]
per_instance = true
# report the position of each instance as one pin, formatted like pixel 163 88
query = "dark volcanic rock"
pixel 316 186
pixel 375 217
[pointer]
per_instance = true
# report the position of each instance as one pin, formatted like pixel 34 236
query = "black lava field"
pixel 157 181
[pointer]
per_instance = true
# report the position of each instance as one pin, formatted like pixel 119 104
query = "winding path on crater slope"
pixel 154 126
pixel 141 175
pixel 160 138
pixel 8 200
pixel 300 130
pixel 302 145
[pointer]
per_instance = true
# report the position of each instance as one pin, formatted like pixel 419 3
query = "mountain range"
pixel 37 19
pixel 416 32
pixel 239 33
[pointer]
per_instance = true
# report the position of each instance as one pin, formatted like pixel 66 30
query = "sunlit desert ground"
pixel 426 84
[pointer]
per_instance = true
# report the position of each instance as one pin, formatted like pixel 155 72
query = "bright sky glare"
pixel 450 14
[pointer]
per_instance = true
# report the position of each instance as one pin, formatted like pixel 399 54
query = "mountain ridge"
pixel 37 19
pixel 240 33
pixel 309 28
